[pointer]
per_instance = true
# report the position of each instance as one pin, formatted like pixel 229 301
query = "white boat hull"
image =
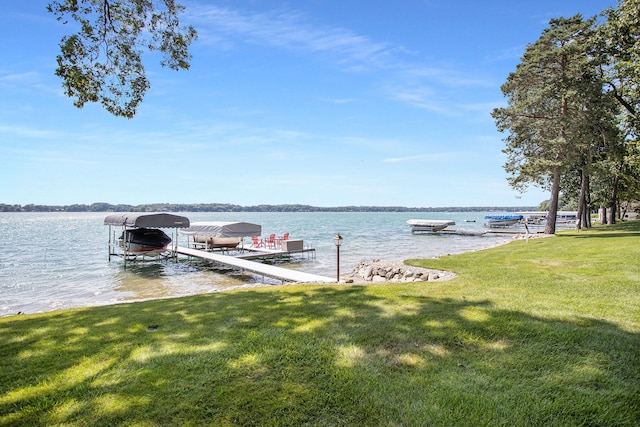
pixel 502 221
pixel 142 250
pixel 428 226
pixel 148 242
pixel 217 242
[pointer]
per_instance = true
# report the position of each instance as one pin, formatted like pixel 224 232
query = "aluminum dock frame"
pixel 280 273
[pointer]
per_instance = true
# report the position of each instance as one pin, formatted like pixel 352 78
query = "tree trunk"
pixel 582 203
pixel 550 228
pixel 603 215
pixel 614 201
pixel 587 203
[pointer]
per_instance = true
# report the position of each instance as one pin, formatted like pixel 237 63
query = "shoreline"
pixel 94 282
pixel 388 271
pixel 397 271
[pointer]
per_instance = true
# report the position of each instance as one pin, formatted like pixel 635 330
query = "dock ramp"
pixel 280 273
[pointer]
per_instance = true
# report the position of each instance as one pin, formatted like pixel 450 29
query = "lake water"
pixel 51 261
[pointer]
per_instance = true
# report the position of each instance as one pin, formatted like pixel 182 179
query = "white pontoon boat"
pixel 219 235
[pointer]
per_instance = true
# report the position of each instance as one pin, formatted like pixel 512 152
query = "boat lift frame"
pixel 133 220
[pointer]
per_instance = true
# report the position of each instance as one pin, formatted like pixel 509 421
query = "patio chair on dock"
pixel 271 241
pixel 279 240
pixel 256 242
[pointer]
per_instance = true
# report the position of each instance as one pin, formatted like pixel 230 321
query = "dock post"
pixel 109 243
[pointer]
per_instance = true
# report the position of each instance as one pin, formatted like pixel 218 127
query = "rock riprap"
pixel 380 271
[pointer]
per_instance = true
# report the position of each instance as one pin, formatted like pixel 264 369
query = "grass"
pixel 539 333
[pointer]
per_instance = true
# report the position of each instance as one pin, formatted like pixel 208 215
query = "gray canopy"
pixel 148 220
pixel 223 229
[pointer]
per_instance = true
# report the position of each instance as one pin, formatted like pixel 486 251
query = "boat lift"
pixel 209 230
pixel 133 220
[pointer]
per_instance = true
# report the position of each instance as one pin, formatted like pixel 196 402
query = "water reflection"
pixel 163 279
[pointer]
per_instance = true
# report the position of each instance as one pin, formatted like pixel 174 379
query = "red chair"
pixel 279 240
pixel 271 241
pixel 256 243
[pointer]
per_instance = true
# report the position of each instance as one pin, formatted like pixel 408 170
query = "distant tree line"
pixel 226 207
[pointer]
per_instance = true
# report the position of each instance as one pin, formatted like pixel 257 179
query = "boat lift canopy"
pixel 142 220
pixel 223 229
pixel 147 220
pixel 504 217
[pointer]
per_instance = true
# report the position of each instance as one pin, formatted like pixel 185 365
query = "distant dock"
pixel 243 263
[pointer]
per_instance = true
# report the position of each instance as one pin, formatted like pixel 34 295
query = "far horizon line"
pixel 228 207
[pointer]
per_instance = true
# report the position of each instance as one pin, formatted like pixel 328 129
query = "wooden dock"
pixel 280 273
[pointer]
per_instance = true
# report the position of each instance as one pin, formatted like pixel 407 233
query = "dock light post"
pixel 338 242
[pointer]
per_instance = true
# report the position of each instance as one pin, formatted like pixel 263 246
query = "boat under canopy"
pixel 141 236
pixel 221 235
pixel 429 225
pixel 144 241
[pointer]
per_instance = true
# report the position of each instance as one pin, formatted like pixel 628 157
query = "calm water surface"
pixel 50 261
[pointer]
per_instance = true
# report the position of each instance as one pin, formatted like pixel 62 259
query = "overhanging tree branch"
pixel 102 61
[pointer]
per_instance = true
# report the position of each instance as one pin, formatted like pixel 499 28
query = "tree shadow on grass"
pixel 325 356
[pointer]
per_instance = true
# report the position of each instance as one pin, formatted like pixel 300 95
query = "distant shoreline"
pixel 225 207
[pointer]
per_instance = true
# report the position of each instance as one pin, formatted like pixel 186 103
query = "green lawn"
pixel 539 333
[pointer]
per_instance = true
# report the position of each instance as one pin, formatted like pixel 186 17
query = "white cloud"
pixel 291 31
pixel 408 82
pixel 339 101
pixel 446 75
pixel 422 157
pixel 508 54
pixel 27 132
pixel 20 78
pixel 422 97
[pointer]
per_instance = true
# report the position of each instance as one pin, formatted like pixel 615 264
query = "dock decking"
pixel 283 274
pixel 264 253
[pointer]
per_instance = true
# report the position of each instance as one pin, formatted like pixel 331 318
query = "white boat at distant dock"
pixel 469 232
pixel 502 221
pixel 429 225
pixel 562 217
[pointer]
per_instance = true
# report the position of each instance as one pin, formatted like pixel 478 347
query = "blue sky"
pixel 319 102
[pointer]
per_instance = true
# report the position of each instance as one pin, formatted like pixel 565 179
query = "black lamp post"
pixel 338 242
